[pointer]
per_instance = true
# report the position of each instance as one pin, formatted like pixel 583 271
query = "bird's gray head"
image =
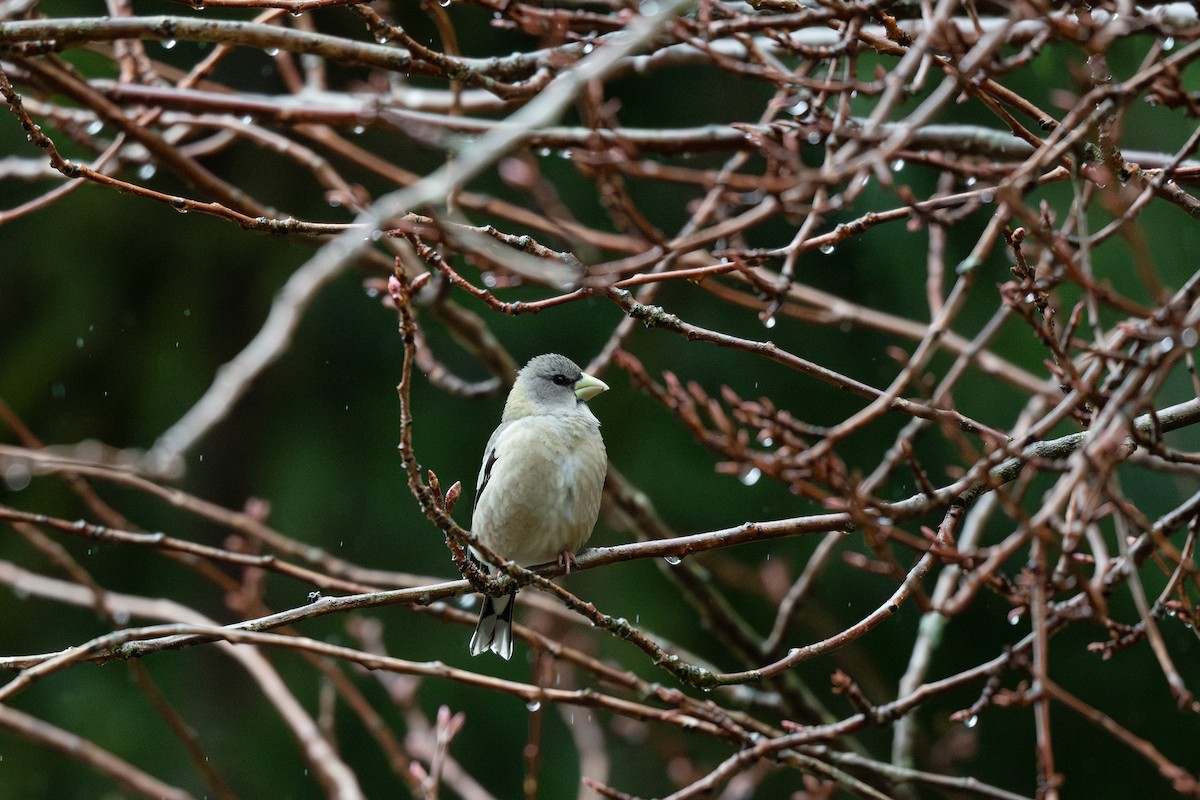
pixel 550 384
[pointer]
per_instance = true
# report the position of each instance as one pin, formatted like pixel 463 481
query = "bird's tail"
pixel 494 631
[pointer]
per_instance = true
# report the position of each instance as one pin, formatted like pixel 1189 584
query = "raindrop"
pixel 767 441
pixel 769 322
pixel 95 127
pixel 898 165
pixel 971 721
pixel 1166 345
pixel 589 47
pixel 1169 43
pixel 814 137
pixel 800 109
pixel 827 249
pixel 17 476
pixel 532 705
pixel 971 181
pixel 674 561
pixel 444 3
pixel 358 129
pixel 272 52
pixel 168 44
pixel 751 476
pixel 1189 337
pixel 382 38
pixel 146 171
pixel 376 235
pixel 79 342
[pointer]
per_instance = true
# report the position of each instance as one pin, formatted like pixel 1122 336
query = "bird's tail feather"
pixel 494 631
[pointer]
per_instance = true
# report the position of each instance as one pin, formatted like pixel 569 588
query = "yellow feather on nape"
pixel 518 404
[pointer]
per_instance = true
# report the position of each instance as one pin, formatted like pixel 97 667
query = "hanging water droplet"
pixel 674 561
pixel 800 109
pixel 358 130
pixel 827 249
pixel 532 705
pixel 971 721
pixel 95 127
pixel 751 476
pixel 146 171
pixel 272 51
pixel 898 165
pixel 167 44
pixel 1169 43
pixel 769 322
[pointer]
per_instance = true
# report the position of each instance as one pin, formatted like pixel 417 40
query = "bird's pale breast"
pixel 543 495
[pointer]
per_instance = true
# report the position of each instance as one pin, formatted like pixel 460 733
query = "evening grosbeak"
pixel 538 493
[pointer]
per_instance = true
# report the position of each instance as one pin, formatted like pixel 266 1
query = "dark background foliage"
pixel 117 311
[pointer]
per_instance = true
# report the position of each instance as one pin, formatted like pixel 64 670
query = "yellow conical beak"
pixel 588 387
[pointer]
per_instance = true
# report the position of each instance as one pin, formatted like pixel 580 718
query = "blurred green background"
pixel 115 313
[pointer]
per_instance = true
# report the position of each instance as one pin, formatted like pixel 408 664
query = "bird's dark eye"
pixel 562 380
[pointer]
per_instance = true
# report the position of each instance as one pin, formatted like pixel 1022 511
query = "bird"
pixel 539 488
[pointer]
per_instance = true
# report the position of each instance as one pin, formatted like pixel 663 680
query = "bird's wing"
pixel 490 457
